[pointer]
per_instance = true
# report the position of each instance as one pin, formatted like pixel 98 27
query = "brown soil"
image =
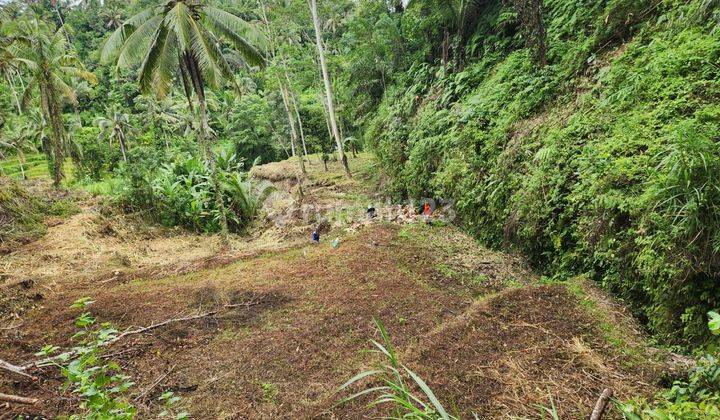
pixel 473 323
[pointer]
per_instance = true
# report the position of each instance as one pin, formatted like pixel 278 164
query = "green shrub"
pixel 697 397
pixel 179 192
pixel 97 158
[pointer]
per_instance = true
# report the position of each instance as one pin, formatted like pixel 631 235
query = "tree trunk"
pixel 210 156
pixel 121 140
pixel 446 49
pixel 297 114
pixel 328 86
pixel 191 69
pixel 14 93
pixel 293 131
pixel 53 110
pixel 21 160
pixel 293 139
pixel 327 119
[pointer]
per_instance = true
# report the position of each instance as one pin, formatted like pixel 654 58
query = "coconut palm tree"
pixel 115 127
pixel 113 17
pixel 8 64
pixel 328 85
pixel 183 37
pixel 19 140
pixel 45 56
pixel 164 116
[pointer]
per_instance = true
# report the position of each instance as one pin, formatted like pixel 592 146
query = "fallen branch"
pixel 19 370
pixel 52 360
pixel 12 327
pixel 601 404
pixel 18 400
pixel 182 319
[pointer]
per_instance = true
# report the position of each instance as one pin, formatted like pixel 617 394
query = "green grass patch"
pixel 612 333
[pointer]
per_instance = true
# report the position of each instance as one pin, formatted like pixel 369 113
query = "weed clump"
pixel 21 215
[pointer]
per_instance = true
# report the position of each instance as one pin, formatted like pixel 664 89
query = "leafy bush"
pixel 100 384
pixel 96 158
pixel 179 192
pixel 697 397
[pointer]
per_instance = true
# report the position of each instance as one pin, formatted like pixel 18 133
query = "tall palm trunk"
pixel 52 109
pixel 9 78
pixel 196 78
pixel 121 140
pixel 297 114
pixel 286 103
pixel 293 139
pixel 293 130
pixel 328 86
pixel 21 161
pixel 210 156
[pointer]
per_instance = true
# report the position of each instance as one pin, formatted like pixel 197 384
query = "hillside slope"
pixel 294 320
pixel 605 162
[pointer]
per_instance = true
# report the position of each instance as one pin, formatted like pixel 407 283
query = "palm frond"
pixel 147 74
pixel 27 95
pixel 80 73
pixel 243 36
pixel 206 50
pixel 31 65
pixel 115 42
pixel 65 91
pixel 131 52
pixel 179 20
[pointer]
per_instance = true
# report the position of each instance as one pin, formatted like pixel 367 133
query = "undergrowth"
pixel 176 190
pixel 695 397
pixel 99 384
pixel 605 162
pixel 23 213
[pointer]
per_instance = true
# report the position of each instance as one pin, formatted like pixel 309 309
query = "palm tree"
pixel 285 94
pixel 164 116
pixel 19 140
pixel 113 17
pixel 328 86
pixel 182 36
pixel 114 127
pixel 8 64
pixel 45 56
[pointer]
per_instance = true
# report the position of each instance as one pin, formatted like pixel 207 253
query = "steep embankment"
pixel 604 162
pixel 293 321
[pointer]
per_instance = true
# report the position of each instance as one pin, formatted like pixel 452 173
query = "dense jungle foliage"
pixel 602 161
pixel 583 134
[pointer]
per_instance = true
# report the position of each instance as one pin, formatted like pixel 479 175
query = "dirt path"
pixel 476 324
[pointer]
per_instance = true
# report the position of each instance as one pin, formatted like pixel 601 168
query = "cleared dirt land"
pixel 294 320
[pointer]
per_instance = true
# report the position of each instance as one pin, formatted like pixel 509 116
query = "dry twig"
pixel 21 370
pixel 17 399
pixel 601 404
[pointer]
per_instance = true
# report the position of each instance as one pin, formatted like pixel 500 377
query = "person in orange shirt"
pixel 426 213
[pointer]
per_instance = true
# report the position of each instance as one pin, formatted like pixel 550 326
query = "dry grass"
pixel 469 320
